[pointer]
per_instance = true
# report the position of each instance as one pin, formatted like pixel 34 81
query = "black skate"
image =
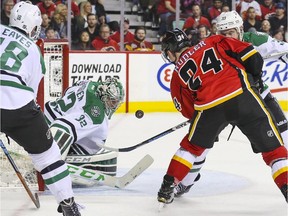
pixel 166 192
pixel 284 190
pixel 181 189
pixel 68 207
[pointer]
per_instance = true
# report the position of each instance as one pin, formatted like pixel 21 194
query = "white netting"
pixel 53 57
pixel 8 177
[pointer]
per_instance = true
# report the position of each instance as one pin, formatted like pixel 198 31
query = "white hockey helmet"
pixel 111 93
pixel 230 20
pixel 26 17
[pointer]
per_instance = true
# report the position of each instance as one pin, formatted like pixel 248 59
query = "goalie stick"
pixel 128 149
pixel 91 177
pixel 35 198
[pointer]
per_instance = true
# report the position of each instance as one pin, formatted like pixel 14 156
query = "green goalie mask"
pixel 111 93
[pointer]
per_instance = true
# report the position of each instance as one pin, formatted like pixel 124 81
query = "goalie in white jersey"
pixel 79 122
pixel 22 68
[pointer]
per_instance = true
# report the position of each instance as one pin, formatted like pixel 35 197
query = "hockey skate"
pixel 166 192
pixel 69 208
pixel 180 189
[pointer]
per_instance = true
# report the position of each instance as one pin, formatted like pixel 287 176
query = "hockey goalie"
pixel 79 122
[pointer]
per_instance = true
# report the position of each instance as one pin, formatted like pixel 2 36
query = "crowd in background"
pixel 92 28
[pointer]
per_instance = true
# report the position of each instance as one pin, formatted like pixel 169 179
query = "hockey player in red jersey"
pixel 230 24
pixel 218 76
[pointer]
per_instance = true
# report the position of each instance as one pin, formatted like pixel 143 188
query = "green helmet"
pixel 111 93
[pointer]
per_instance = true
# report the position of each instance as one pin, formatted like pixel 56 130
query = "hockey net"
pixel 56 58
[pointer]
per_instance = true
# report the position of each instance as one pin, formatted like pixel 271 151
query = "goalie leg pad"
pixel 104 161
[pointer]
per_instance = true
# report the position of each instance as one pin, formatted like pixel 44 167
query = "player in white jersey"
pixel 79 122
pixel 22 68
pixel 230 24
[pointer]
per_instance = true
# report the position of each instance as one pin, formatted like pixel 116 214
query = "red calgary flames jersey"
pixel 105 45
pixel 212 72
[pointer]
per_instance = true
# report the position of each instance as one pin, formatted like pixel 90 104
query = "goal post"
pixel 56 80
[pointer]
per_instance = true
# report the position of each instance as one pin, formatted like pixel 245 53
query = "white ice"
pixel 235 181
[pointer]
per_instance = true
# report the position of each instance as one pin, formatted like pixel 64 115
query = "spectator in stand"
pixel 215 10
pixel 103 42
pixel 93 26
pixel 59 20
pixel 84 42
pixel 200 34
pixel 243 5
pixel 51 33
pixel 74 7
pixel 128 36
pixel 81 20
pixel 267 9
pixel 195 20
pixel 166 9
pixel 278 21
pixel 225 7
pixel 266 27
pixel 186 6
pixel 278 35
pixel 62 10
pixel 139 43
pixel 204 5
pixel 35 2
pixel 7 6
pixel 213 27
pixel 251 21
pixel 99 10
pixel 149 8
pixel 47 7
pixel 44 25
pixel 203 32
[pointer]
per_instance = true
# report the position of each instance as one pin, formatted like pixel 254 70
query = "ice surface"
pixel 235 181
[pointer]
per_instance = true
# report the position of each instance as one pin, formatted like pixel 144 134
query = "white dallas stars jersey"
pixel 22 68
pixel 81 113
pixel 266 45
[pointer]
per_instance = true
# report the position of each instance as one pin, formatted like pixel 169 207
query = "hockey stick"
pixel 91 177
pixel 128 149
pixel 35 198
pixel 275 54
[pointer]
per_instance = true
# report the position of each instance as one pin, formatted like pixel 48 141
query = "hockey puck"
pixel 139 114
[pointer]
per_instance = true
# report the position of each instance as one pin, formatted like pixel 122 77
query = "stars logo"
pixel 95 111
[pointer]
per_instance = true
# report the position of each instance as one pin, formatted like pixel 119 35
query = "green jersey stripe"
pixel 15 85
pixel 57 177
